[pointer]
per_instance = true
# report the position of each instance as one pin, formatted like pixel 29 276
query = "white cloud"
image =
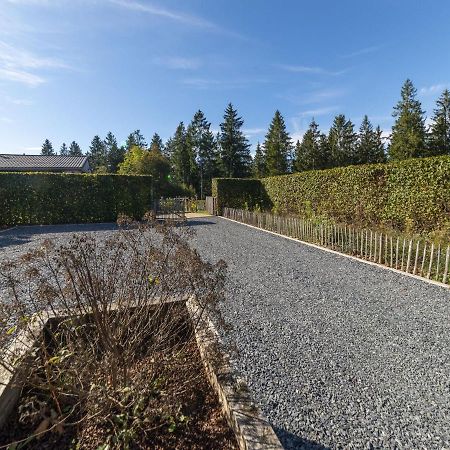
pixel 177 62
pixel 310 70
pixel 249 132
pixel 21 77
pixel 176 16
pixel 19 65
pixel 363 51
pixel 6 120
pixel 433 89
pixel 211 83
pixel 19 101
pixel 318 111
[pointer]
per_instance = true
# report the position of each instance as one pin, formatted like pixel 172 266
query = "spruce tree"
pixel 259 163
pixel 439 140
pixel 182 158
pixel 135 138
pixel 114 154
pixel 47 148
pixel 75 149
pixel 309 153
pixel 97 155
pixel 156 143
pixel 234 147
pixel 205 148
pixel 369 147
pixel 277 147
pixel 342 142
pixel 408 132
pixel 64 151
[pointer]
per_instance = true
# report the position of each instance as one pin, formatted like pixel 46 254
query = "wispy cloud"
pixel 318 111
pixel 249 132
pixel 211 83
pixel 434 89
pixel 311 70
pixel 175 16
pixel 363 51
pixel 19 101
pixel 6 120
pixel 19 65
pixel 178 63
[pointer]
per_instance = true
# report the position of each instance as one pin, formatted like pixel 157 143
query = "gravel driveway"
pixel 339 354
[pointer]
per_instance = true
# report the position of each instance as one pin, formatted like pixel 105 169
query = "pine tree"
pixel 97 155
pixel 259 163
pixel 205 149
pixel 369 147
pixel 135 138
pixel 439 140
pixel 309 153
pixel 114 154
pixel 277 147
pixel 408 132
pixel 167 149
pixel 47 148
pixel 64 151
pixel 342 142
pixel 182 158
pixel 75 150
pixel 234 147
pixel 156 143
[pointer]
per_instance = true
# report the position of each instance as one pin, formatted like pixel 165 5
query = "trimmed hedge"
pixel 51 198
pixel 410 195
pixel 246 193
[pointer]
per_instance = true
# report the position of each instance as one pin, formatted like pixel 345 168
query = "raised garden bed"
pixel 192 398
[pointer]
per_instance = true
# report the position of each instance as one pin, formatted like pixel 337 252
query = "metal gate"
pixel 170 208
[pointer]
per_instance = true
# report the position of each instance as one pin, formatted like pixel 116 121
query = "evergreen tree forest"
pixel 195 154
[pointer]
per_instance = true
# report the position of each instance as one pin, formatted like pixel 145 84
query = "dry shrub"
pixel 114 302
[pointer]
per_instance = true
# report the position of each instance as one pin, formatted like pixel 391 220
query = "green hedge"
pixel 247 193
pixel 411 195
pixel 50 198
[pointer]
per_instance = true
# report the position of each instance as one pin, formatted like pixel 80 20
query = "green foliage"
pixel 369 147
pixel 259 163
pixel 98 156
pixel 139 161
pixel 47 148
pixel 183 156
pixel 64 151
pixel 311 153
pixel 75 149
pixel 439 142
pixel 240 193
pixel 412 194
pixel 49 198
pixel 277 147
pixel 234 147
pixel 341 142
pixel 114 153
pixel 408 132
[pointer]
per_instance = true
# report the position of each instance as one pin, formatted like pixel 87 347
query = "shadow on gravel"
pixel 23 235
pixel 292 442
pixel 194 223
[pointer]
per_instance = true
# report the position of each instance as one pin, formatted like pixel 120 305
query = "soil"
pixel 183 414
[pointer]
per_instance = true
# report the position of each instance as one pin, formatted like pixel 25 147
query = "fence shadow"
pixel 291 441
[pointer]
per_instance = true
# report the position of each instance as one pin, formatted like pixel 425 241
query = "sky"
pixel 72 69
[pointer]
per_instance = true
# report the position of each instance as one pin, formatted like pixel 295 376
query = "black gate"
pixel 170 208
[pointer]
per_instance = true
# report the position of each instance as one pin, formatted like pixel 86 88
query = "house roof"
pixel 41 163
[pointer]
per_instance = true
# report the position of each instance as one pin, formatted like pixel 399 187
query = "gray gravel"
pixel 337 353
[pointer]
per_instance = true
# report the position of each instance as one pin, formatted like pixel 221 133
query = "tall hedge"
pixel 50 198
pixel 247 193
pixel 409 195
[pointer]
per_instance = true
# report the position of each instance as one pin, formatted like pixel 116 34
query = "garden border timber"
pixel 250 427
pixel 325 249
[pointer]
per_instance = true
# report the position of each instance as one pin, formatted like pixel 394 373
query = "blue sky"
pixel 71 69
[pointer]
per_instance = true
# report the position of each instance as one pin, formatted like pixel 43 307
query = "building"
pixel 41 163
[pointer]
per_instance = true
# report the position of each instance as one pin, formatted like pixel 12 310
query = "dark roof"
pixel 42 163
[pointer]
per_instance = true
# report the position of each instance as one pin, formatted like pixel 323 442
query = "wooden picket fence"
pixel 413 255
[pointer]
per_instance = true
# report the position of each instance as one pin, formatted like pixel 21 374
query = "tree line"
pixel 194 154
